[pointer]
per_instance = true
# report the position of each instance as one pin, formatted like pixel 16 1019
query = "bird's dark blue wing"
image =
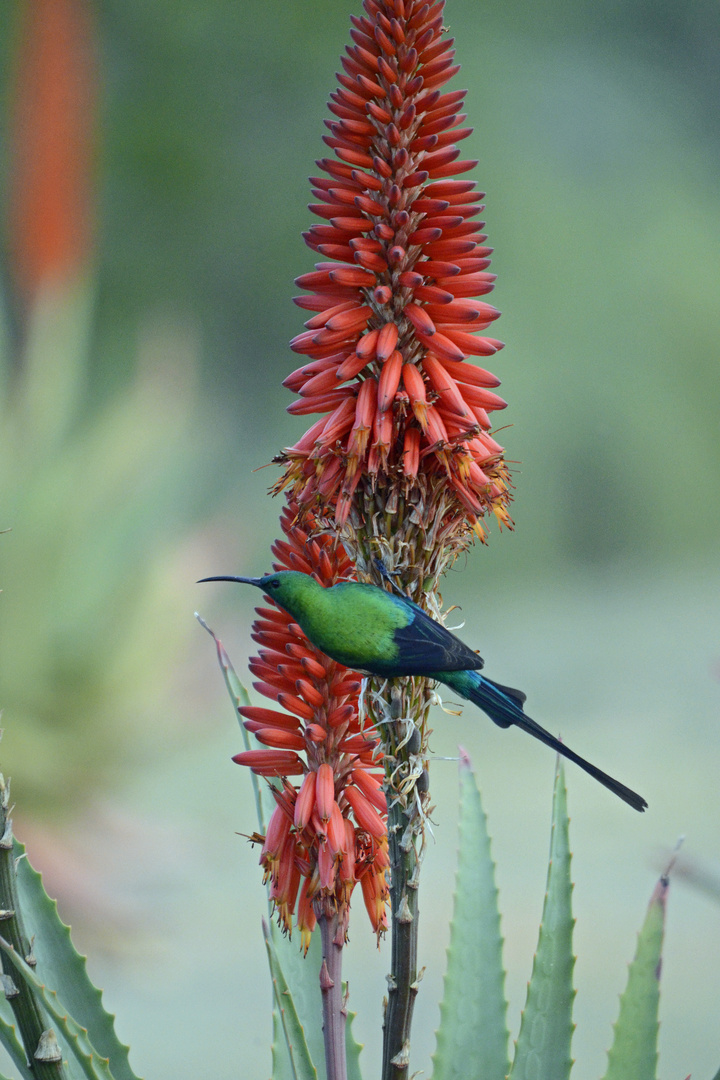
pixel 424 646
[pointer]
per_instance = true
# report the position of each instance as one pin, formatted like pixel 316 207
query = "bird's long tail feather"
pixel 505 706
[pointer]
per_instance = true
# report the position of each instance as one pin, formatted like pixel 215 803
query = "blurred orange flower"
pixel 55 93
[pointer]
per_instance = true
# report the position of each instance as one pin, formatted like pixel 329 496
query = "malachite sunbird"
pixel 382 633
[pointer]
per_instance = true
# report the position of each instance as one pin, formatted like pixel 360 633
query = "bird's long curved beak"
pixel 242 580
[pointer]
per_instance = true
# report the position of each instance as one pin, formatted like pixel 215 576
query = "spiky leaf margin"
pixel 472 1039
pixel 60 966
pixel 542 1051
pixel 634 1049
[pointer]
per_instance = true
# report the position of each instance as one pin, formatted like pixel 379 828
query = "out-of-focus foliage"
pixel 99 498
pixel 99 503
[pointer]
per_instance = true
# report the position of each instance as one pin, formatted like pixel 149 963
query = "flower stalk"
pixel 401 466
pixel 407 778
pixel 333 1003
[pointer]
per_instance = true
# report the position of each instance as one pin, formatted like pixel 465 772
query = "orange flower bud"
pixel 371 787
pixel 366 815
pixel 364 416
pixel 338 423
pixel 342 715
pixel 387 340
pixel 347 867
pixel 372 261
pixel 268 717
pixel 320 320
pixel 356 744
pixel 367 345
pixel 471 284
pixel 468 373
pixel 313 667
pixel 305 802
pixel 271 762
pixel 411 452
pixel 484 399
pixel 325 402
pixel 442 346
pixel 310 693
pixel 283 740
pixel 336 829
pixel 432 295
pixel 297 378
pixel 466 343
pixel 374 890
pixel 420 319
pixel 278 831
pixel 326 866
pixel 444 384
pixel 389 380
pixel 296 705
pixel 306 918
pixel 436 430
pixel 353 319
pixel 415 386
pixel 382 436
pixel 324 792
pixel 489 443
pixel 320 384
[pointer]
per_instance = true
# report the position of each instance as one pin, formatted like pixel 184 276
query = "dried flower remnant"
pixel 327 833
pixel 395 297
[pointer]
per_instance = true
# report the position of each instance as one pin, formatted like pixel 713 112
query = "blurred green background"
pixel 142 390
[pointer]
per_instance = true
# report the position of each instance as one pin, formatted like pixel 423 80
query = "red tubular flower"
pixel 404 258
pixel 310 852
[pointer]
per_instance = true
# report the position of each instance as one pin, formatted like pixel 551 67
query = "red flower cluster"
pixel 313 852
pixel 396 318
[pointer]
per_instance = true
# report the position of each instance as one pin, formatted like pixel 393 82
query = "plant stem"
pixel 411 540
pixel 404 829
pixel 333 1004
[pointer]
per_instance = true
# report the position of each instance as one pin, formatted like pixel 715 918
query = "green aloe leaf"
pixel 83 1059
pixel 634 1049
pixel 10 1041
pixel 472 1038
pixel 62 968
pixel 302 975
pixel 290 1053
pixel 352 1050
pixel 543 1046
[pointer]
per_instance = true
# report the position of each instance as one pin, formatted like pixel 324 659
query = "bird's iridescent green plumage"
pixel 368 629
pixel 385 634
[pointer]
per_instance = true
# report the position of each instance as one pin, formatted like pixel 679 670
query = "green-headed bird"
pixel 381 633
